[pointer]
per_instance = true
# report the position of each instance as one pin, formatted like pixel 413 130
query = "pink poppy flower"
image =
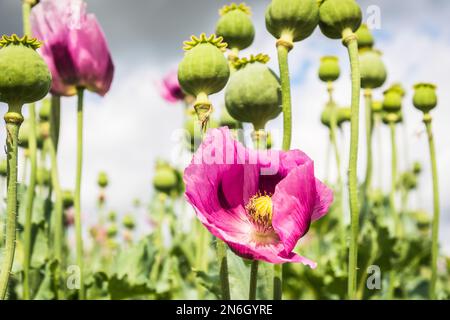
pixel 170 89
pixel 74 46
pixel 259 202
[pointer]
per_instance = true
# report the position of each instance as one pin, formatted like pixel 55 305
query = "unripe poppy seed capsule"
pixel 373 71
pixel 417 168
pixel 24 76
pixel 425 98
pixel 377 106
pixel 337 16
pixel 392 117
pixel 292 20
pixel 68 199
pixel 102 180
pixel 365 37
pixel 392 100
pixel 329 70
pixel 44 111
pixel 128 222
pixel 3 167
pixel 43 177
pixel 165 179
pixel 343 115
pixel 226 120
pixel 235 26
pixel 253 94
pixel 24 133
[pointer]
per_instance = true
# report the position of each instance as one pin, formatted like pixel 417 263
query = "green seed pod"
pixel 408 180
pixel 392 99
pixel 235 26
pixel 253 94
pixel 128 222
pixel 226 120
pixel 112 216
pixel 373 70
pixel 111 232
pixel 329 69
pixel 43 177
pixel 377 106
pixel 292 20
pixel 423 220
pixel 204 70
pixel 43 130
pixel 365 37
pixel 102 180
pixel 68 199
pixel 24 76
pixel 377 197
pixel 343 115
pixel 337 16
pixel 417 168
pixel 3 168
pixel 165 179
pixel 24 132
pixel 44 111
pixel 325 116
pixel 425 98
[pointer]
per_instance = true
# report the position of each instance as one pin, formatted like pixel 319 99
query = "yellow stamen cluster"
pixel 260 209
pixel 212 39
pixel 15 40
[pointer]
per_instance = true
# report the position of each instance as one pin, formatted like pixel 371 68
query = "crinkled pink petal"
pixel 293 204
pixel 324 199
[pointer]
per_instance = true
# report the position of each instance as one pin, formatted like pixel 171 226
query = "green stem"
pixel 285 95
pixel 25 166
pixel 56 119
pixel 77 196
pixel 223 264
pixel 369 132
pixel 351 43
pixel 394 213
pixel 436 212
pixel 253 280
pixel 13 119
pixel 277 281
pixel 32 147
pixel 58 234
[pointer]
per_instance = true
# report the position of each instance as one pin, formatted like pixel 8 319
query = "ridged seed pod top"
pixel 365 37
pixel 253 94
pixel 204 68
pixel 372 68
pixel 329 69
pixel 235 26
pixel 337 16
pixel 425 98
pixel 24 76
pixel 296 19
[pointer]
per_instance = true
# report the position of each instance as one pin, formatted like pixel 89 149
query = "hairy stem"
pixel 351 43
pixel 77 195
pixel 253 280
pixel 285 95
pixel 13 119
pixel 436 212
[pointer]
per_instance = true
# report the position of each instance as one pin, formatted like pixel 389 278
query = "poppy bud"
pixel 292 20
pixel 24 76
pixel 165 179
pixel 128 222
pixel 373 70
pixel 112 216
pixel 329 70
pixel 377 197
pixel 44 111
pixel 24 133
pixel 235 26
pixel 67 199
pixel 425 98
pixel 112 231
pixel 253 94
pixel 408 180
pixel 365 38
pixel 325 116
pixel 337 16
pixel 377 106
pixel 3 167
pixel 102 180
pixel 417 168
pixel 423 221
pixel 43 177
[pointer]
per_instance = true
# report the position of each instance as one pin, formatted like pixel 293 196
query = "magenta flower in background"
pixel 74 46
pixel 170 88
pixel 259 202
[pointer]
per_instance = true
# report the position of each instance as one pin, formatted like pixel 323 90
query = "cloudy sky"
pixel 128 129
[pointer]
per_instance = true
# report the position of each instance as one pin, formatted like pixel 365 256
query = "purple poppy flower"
pixel 259 202
pixel 74 47
pixel 170 88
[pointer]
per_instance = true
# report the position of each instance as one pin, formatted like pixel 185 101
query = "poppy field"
pixel 249 215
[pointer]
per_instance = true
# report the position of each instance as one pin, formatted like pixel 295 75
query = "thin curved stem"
pixel 32 147
pixel 369 132
pixel 12 137
pixel 436 211
pixel 393 207
pixel 351 43
pixel 253 280
pixel 285 95
pixel 77 196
